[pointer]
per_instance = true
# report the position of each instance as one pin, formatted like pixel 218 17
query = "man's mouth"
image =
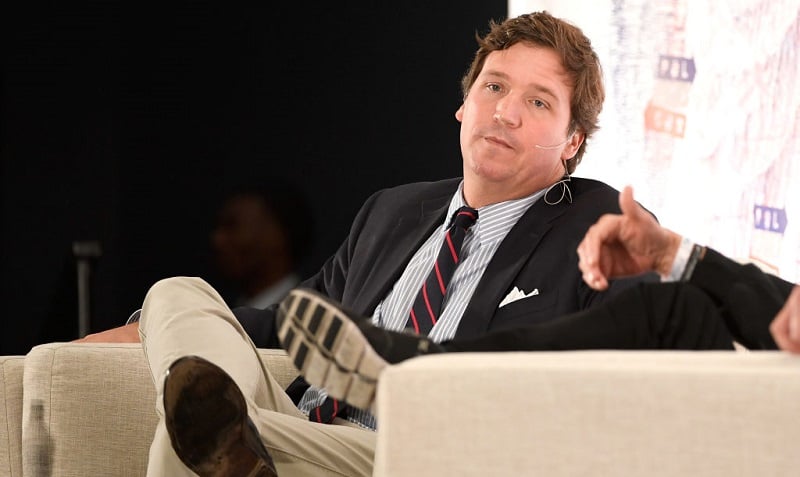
pixel 497 141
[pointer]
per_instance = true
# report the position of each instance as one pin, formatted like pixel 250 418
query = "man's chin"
pixel 492 171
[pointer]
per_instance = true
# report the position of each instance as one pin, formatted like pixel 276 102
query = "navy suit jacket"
pixel 539 253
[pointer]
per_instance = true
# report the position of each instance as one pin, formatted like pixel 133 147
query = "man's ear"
pixel 573 144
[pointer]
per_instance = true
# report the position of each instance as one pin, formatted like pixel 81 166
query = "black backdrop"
pixel 122 124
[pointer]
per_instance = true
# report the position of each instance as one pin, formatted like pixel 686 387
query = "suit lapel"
pixel 408 234
pixel 513 253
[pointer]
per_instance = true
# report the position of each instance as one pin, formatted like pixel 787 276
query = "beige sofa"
pixel 491 414
pixel 98 405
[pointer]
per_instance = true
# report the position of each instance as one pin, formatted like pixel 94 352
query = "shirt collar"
pixel 494 220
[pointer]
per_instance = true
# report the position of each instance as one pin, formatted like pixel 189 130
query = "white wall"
pixel 702 116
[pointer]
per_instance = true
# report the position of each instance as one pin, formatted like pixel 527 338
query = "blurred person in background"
pixel 261 236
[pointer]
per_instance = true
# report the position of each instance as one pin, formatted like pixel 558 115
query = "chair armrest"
pixel 11 368
pixel 590 413
pixel 98 406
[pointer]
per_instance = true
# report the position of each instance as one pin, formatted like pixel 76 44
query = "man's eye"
pixel 493 87
pixel 538 103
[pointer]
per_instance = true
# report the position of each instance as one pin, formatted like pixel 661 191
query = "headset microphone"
pixel 554 146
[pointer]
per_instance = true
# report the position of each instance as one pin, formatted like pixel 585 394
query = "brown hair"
pixel 577 56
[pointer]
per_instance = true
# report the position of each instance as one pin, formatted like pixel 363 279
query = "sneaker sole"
pixel 328 349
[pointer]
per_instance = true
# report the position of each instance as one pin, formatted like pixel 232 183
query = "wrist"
pixel 676 252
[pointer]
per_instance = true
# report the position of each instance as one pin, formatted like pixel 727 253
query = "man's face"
pixel 247 239
pixel 520 100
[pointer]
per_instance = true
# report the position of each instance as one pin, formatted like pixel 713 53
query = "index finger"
pixel 590 248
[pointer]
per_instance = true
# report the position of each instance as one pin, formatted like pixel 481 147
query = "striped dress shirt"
pixel 480 244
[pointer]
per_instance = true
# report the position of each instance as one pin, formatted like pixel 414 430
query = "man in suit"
pixel 531 99
pixel 705 301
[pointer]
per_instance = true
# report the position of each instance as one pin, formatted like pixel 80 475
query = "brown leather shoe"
pixel 207 422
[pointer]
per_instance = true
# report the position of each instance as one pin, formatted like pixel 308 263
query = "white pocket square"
pixel 517 294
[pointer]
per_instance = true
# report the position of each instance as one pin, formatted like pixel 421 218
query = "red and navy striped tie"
pixel 328 410
pixel 428 303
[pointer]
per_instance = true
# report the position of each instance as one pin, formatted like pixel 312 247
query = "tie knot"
pixel 465 217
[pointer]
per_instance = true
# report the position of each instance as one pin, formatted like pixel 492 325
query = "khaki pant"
pixel 185 316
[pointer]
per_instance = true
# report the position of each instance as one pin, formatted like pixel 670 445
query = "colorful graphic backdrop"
pixel 702 116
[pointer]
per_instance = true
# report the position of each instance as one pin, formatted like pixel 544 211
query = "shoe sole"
pixel 328 349
pixel 207 422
